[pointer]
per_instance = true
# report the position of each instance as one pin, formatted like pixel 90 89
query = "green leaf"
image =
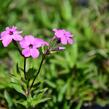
pixel 62 92
pixel 17 87
pixel 17 68
pixel 30 73
pixel 8 99
pixel 66 10
pixel 79 104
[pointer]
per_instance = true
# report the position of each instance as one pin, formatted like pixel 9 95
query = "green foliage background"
pixel 74 77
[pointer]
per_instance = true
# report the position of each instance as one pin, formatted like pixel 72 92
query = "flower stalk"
pixel 43 58
pixel 25 68
pixel 17 47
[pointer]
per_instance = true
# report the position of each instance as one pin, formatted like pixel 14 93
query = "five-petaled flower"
pixel 63 36
pixel 30 46
pixel 10 33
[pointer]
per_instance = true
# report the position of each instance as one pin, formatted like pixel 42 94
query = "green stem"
pixel 25 76
pixel 43 57
pixel 28 89
pixel 16 45
pixel 25 68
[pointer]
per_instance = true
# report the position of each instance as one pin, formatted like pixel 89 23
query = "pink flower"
pixel 63 36
pixel 30 46
pixel 10 33
pixel 41 42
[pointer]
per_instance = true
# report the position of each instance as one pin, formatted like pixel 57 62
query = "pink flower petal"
pixel 30 39
pixel 24 44
pixel 26 52
pixel 34 53
pixel 7 28
pixel 64 40
pixel 40 42
pixel 70 40
pixel 6 41
pixel 3 34
pixel 59 33
pixel 17 37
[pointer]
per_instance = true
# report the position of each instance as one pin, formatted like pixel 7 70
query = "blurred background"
pixel 77 78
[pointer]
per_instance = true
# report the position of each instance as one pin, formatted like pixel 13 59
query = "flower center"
pixel 30 46
pixel 11 33
pixel 58 40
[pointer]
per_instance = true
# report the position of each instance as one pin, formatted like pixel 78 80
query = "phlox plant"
pixel 29 46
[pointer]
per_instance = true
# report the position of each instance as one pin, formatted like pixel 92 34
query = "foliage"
pixel 75 77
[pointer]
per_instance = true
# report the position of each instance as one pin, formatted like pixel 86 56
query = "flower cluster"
pixel 63 36
pixel 29 44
